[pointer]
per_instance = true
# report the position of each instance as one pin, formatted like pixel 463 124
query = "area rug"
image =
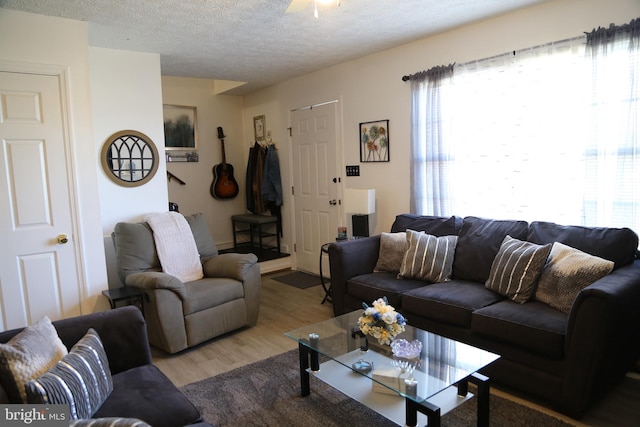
pixel 299 279
pixel 267 393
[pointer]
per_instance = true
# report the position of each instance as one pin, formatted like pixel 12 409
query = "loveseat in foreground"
pixel 140 390
pixel 566 359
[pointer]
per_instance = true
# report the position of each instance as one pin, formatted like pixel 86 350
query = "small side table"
pixel 125 293
pixel 324 249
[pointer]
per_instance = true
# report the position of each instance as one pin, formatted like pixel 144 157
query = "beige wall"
pixel 127 98
pixel 370 88
pixel 212 111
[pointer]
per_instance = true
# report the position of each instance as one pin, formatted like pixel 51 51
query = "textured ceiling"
pixel 255 41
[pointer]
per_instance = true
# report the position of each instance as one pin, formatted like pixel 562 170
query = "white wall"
pixel 34 39
pixel 370 89
pixel 211 111
pixel 127 95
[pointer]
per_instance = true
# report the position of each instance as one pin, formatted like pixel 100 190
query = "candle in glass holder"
pixel 314 340
pixel 411 387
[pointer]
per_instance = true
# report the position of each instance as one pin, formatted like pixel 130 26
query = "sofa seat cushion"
pixel 533 326
pixel 369 287
pixel 450 302
pixel 615 244
pixel 147 394
pixel 200 296
pixel 478 244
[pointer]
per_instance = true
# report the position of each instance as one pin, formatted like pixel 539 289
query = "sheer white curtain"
pixel 431 157
pixel 517 135
pixel 613 151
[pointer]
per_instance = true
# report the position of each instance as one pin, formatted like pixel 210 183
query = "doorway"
pixel 316 183
pixel 39 273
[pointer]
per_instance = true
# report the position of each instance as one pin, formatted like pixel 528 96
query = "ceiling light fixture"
pixel 315 6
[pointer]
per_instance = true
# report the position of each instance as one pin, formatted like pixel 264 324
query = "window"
pixel 548 133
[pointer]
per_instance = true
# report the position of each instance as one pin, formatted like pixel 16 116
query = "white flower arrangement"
pixel 381 321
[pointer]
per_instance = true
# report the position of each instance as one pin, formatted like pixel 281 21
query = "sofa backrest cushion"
pixel 206 246
pixel 478 244
pixel 434 225
pixel 614 244
pixel 136 248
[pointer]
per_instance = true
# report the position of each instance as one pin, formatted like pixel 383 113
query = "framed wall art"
pixel 259 128
pixel 374 141
pixel 180 130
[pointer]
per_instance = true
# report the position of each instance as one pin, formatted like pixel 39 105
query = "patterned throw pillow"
pixel 516 269
pixel 109 422
pixel 82 379
pixel 27 356
pixel 429 257
pixel 567 273
pixel 392 249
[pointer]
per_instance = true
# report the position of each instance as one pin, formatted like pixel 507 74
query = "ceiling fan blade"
pixel 297 6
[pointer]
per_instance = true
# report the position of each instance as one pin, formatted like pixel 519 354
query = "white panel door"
pixel 315 173
pixel 38 260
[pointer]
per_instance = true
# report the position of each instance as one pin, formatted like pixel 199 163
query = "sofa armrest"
pixel 603 336
pixel 232 265
pixel 348 259
pixel 123 333
pixel 242 267
pixel 150 280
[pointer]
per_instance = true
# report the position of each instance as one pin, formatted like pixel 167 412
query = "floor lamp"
pixel 360 203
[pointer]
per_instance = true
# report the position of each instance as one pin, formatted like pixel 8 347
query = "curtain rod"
pixel 406 78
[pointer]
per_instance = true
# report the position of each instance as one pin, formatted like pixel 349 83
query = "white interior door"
pixel 315 178
pixel 38 270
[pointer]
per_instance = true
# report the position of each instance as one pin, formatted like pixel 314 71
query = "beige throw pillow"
pixel 516 269
pixel 27 356
pixel 429 257
pixel 567 272
pixel 392 249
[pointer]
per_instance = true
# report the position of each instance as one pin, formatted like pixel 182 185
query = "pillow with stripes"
pixel 82 379
pixel 428 258
pixel 516 269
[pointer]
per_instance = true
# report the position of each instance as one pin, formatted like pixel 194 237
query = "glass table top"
pixel 442 362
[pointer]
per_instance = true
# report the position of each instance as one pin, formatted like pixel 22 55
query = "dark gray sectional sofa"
pixel 565 360
pixel 140 390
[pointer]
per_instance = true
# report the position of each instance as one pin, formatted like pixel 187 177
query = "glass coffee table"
pixel 406 391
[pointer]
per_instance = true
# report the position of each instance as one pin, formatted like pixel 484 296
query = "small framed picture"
pixel 259 128
pixel 180 131
pixel 374 141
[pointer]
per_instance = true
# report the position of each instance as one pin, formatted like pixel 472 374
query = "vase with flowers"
pixel 381 321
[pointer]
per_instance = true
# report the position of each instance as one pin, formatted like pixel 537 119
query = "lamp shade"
pixel 359 201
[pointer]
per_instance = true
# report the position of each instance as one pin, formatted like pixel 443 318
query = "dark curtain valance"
pixel 603 35
pixel 435 73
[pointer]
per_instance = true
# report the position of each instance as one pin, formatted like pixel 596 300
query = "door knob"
pixel 62 239
pixel 333 202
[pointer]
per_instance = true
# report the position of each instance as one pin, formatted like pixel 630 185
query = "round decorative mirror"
pixel 129 158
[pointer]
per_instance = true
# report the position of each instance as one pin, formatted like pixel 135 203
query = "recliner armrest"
pixel 230 265
pixel 155 280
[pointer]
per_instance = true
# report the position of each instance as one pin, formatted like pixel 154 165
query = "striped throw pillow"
pixel 428 258
pixel 516 268
pixel 82 379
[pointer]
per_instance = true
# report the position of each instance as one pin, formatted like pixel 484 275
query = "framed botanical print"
pixel 374 141
pixel 259 128
pixel 180 132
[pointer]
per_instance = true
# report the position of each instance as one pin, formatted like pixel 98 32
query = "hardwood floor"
pixel 285 307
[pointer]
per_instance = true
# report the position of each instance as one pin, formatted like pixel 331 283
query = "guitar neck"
pixel 224 157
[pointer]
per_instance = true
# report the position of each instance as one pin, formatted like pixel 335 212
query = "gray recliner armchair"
pixel 180 315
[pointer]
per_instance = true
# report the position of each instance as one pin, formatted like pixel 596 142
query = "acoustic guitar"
pixel 224 185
